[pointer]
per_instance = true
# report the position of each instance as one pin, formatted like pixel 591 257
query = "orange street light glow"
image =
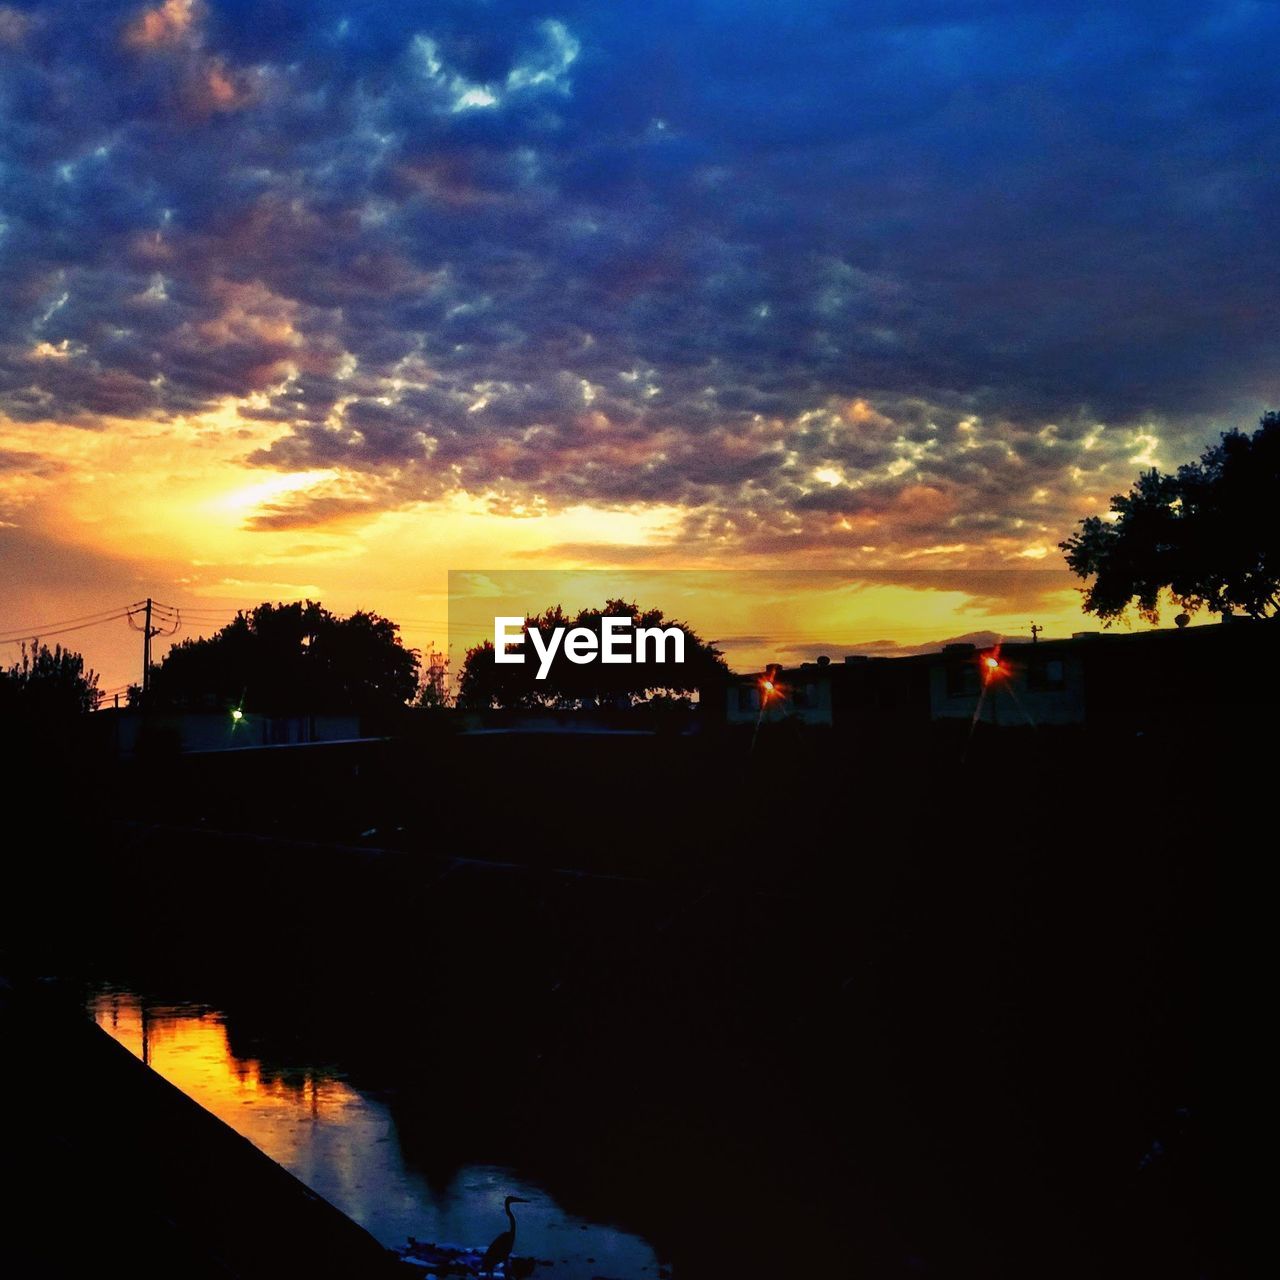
pixel 991 667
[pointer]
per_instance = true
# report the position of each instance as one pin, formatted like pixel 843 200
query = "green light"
pixel 237 715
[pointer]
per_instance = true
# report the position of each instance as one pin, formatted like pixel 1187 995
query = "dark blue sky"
pixel 822 276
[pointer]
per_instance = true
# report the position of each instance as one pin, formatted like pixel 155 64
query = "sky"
pixel 327 299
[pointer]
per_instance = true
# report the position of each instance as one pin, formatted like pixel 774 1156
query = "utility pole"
pixel 151 610
pixel 147 633
pixel 1035 631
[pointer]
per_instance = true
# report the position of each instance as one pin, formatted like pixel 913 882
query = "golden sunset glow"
pixel 190 1049
pixel 760 616
pixel 486 491
pixel 176 512
pixel 280 331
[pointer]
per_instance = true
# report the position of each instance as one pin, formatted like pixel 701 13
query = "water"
pixel 344 1144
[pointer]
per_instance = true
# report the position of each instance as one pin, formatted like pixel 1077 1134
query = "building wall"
pixel 806 696
pixel 1210 677
pixel 1038 685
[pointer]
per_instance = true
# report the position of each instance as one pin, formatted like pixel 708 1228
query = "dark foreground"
pixel 817 1010
pixel 108 1166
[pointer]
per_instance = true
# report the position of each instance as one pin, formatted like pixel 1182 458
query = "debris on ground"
pixel 444 1260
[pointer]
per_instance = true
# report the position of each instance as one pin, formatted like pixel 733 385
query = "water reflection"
pixel 344 1144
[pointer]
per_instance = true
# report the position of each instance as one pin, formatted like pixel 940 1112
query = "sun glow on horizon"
pixel 244 501
pixel 175 510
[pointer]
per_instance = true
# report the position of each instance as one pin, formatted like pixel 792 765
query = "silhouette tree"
pixel 483 682
pixel 288 658
pixel 47 684
pixel 48 747
pixel 1210 535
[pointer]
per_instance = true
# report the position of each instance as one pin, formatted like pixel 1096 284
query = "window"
pixel 805 696
pixel 1047 675
pixel 748 698
pixel 962 679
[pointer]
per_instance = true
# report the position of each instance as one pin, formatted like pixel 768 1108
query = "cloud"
pixel 886 648
pixel 910 282
pixel 28 462
pixel 38 563
pixel 310 512
pixel 14 25
pixel 169 24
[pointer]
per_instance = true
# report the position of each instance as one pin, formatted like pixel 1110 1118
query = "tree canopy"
pixel 47 684
pixel 483 682
pixel 1209 535
pixel 290 658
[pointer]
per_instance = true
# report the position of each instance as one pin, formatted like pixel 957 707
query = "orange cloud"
pixel 925 503
pixel 251 313
pixel 166 25
pixel 860 414
pixel 222 89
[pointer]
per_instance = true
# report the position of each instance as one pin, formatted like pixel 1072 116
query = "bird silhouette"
pixel 500 1250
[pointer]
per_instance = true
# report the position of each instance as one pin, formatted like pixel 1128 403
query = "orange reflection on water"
pixel 343 1144
pixel 189 1047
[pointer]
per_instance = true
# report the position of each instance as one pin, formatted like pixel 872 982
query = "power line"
pixel 206 610
pixel 101 614
pixel 187 616
pixel 85 617
pixel 111 695
pixel 44 633
pixel 194 610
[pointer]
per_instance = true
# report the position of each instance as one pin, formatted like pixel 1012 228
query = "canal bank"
pixel 110 1165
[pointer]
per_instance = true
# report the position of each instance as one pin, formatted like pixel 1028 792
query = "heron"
pixel 500 1249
